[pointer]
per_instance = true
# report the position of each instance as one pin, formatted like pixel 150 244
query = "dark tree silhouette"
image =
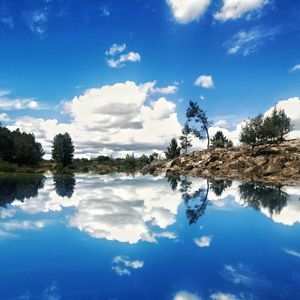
pixel 19 187
pixel 219 186
pixel 196 201
pixel 63 149
pixel 173 180
pixel 64 184
pixel 259 195
pixel 219 140
pixel 185 139
pixel 198 121
pixel 173 150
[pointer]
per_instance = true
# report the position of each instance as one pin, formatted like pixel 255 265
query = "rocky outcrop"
pixel 272 163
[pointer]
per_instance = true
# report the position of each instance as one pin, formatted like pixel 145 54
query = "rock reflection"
pixel 64 184
pixel 19 187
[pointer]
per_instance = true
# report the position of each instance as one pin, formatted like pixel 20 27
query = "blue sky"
pixel 54 50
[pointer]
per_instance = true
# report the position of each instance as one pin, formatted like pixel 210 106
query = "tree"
pixel 220 141
pixel 271 129
pixel 196 116
pixel 185 139
pixel 173 150
pixel 63 149
pixel 26 149
pixel 252 132
pixel 276 126
pixel 6 144
pixel 153 156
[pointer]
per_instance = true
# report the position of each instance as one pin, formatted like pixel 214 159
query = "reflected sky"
pixel 95 236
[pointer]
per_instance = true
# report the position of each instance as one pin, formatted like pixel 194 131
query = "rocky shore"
pixel 270 163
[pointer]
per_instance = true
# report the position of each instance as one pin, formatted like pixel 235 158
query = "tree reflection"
pixel 261 195
pixel 196 201
pixel 173 181
pixel 219 186
pixel 19 187
pixel 64 184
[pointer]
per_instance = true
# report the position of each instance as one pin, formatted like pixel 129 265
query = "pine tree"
pixel 185 139
pixel 173 150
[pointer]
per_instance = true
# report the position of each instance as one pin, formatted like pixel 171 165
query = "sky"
pixel 118 75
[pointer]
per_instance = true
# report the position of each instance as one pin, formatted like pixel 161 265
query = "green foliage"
pixel 198 121
pixel 220 141
pixel 173 150
pixel 19 147
pixel 6 144
pixel 63 149
pixel 26 149
pixel 272 129
pixel 153 156
pixel 185 138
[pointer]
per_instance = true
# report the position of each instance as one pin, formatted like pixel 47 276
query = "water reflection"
pixel 64 184
pixel 141 208
pixel 19 187
pixel 259 196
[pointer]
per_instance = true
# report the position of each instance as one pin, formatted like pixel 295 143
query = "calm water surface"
pixel 123 237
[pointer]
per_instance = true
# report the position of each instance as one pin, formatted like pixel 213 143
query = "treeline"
pixel 257 131
pixel 19 147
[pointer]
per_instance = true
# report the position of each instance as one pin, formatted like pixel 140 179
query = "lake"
pixel 91 236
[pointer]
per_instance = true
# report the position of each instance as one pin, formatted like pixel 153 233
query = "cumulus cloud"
pixel 205 81
pixel 203 241
pixel 117 60
pixel 184 295
pixel 9 103
pixel 117 119
pixel 249 42
pixel 189 10
pixel 295 68
pixel 234 9
pixel 122 265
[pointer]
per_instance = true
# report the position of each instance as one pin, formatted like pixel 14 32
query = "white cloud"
pixel 119 61
pixel 115 49
pixel 188 10
pixel 184 295
pixel 117 118
pixel 292 252
pixel 4 117
pixel 249 42
pixel 122 265
pixel 203 241
pixel 168 90
pixel 202 97
pixel 295 68
pixel 205 81
pixel 223 296
pixel 7 103
pixel 234 9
